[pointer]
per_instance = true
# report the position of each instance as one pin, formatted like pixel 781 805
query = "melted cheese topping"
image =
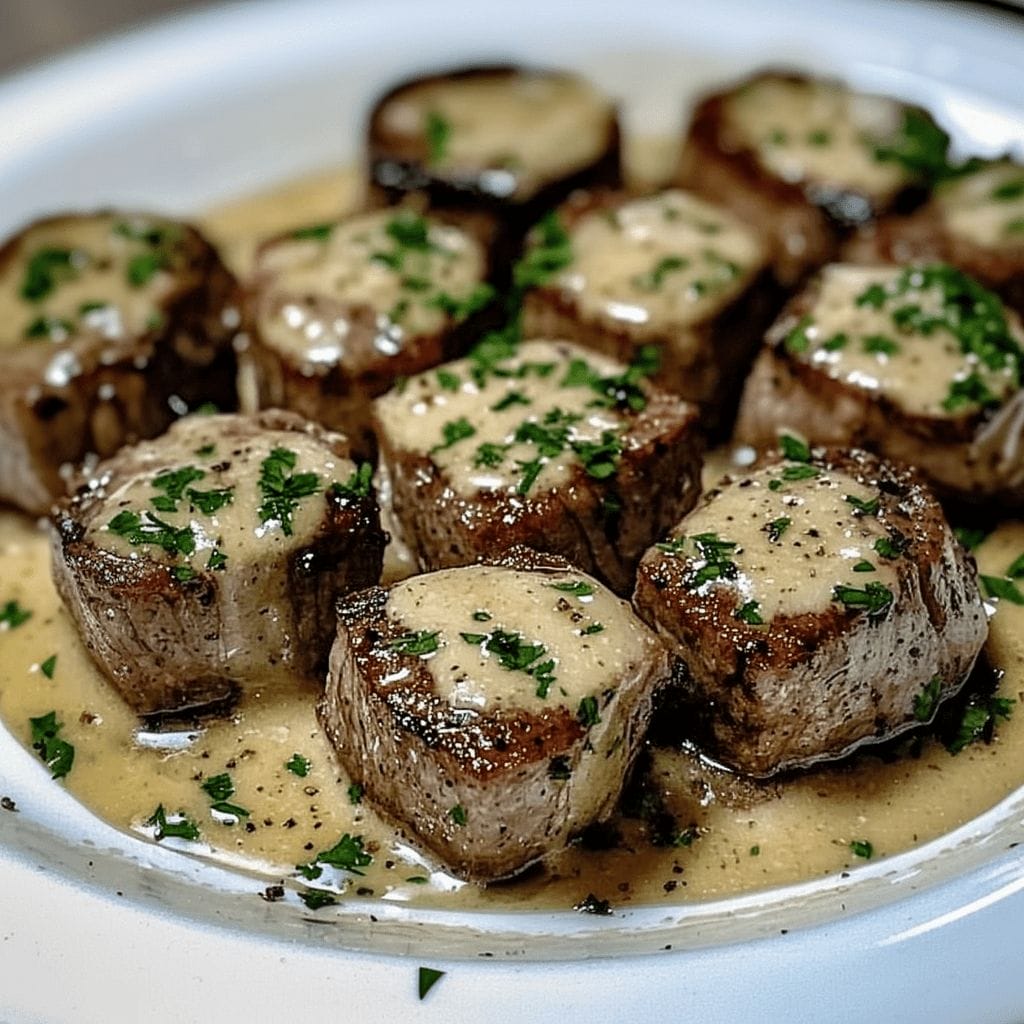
pixel 862 345
pixel 101 277
pixel 520 132
pixel 818 132
pixel 587 637
pixel 404 267
pixel 234 532
pixel 985 208
pixel 487 417
pixel 658 264
pixel 817 540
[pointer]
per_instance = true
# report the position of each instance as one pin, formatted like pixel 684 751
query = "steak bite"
pixel 815 603
pixel 496 146
pixel 114 323
pixel 921 364
pixel 549 446
pixel 615 273
pixel 802 160
pixel 340 311
pixel 492 710
pixel 210 559
pixel 974 221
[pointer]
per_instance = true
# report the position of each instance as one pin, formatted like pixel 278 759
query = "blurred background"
pixel 31 30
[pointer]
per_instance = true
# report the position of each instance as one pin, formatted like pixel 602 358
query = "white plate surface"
pixel 95 926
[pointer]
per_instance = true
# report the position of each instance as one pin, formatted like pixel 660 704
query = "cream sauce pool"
pixel 798 830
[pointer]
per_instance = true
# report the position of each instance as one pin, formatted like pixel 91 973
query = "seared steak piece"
pixel 551 446
pixel 495 146
pixel 921 364
pixel 818 603
pixel 491 711
pixel 114 323
pixel 975 222
pixel 802 160
pixel 210 558
pixel 340 311
pixel 671 271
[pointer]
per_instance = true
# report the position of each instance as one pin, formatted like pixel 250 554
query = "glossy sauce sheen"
pixel 306 311
pixel 802 832
pixel 912 369
pixel 986 208
pixel 415 417
pixel 813 131
pixel 658 263
pixel 528 130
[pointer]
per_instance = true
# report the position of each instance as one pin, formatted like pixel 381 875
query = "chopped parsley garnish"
pixel 862 848
pixel 510 399
pixel 593 628
pixel 58 755
pixel 1009 190
pixel 358 485
pixel 421 643
pixel 927 700
pixel 550 251
pixel 578 588
pixel 49 327
pixel 281 490
pixel 173 483
pixel 481 616
pixel 516 655
pixel 750 613
pixel 1002 588
pixel 458 814
pixel 143 267
pixel 836 342
pixel 46 269
pixel 355 794
pixel 182 827
pixel 459 309
pixel 448 381
pixel 437 130
pixel 219 788
pixel 183 573
pixel 347 854
pixel 12 615
pixel 819 137
pixel 410 231
pixel 892 546
pixel 489 455
pixel 314 899
pixel 428 978
pixel 978 721
pixel 777 527
pixel 921 146
pixel 651 280
pixel 217 561
pixel 588 713
pixel 797 340
pixel 212 501
pixel 452 432
pixel 861 507
pixel 49 666
pixel 794 448
pixel 313 233
pixel 298 765
pixel 880 344
pixel 875 598
pixel 863 566
pixel 149 529
pixel 970 537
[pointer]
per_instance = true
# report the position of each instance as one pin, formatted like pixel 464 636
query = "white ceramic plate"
pixel 95 926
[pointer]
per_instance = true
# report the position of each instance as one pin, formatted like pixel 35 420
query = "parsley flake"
pixel 281 490
pixel 58 755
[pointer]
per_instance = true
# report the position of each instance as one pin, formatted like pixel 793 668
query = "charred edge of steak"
pixel 481 745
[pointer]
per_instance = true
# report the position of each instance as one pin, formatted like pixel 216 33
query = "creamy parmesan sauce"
pixel 89 276
pixel 818 132
pixel 985 208
pixel 230 467
pixel 861 343
pixel 522 131
pixel 803 831
pixel 589 634
pixel 658 264
pixel 815 545
pixel 416 417
pixel 312 284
